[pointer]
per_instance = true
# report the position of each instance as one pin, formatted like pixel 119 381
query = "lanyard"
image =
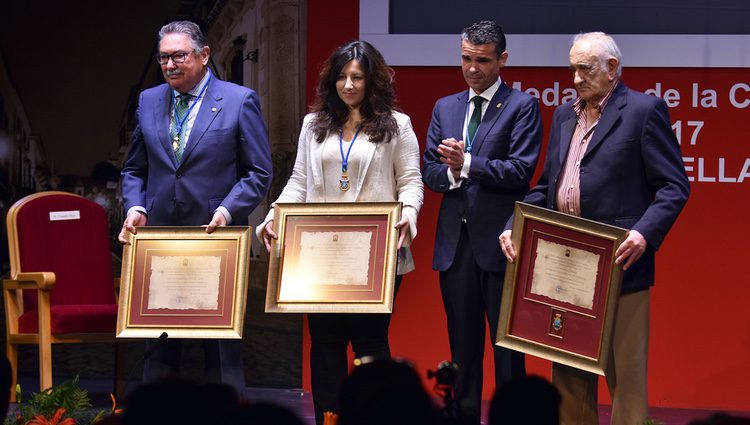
pixel 179 122
pixel 344 181
pixel 345 159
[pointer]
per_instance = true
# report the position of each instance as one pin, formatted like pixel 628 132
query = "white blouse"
pixel 378 172
pixel 332 171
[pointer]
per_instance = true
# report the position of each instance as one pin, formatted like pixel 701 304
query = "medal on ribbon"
pixel 344 183
pixel 179 122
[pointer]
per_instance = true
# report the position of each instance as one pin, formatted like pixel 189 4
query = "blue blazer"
pixel 503 159
pixel 632 174
pixel 226 161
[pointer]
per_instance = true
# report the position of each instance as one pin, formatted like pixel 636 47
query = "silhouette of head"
pixel 527 400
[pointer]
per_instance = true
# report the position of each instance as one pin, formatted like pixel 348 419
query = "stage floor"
pixel 300 402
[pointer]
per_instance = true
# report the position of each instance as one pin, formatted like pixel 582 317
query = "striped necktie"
pixel 180 120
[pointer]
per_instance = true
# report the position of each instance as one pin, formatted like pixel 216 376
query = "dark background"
pixel 73 64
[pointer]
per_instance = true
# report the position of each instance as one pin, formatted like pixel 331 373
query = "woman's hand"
pixel 403 230
pixel 268 234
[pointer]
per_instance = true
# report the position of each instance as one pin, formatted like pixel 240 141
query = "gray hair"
pixel 191 29
pixel 606 48
pixel 485 32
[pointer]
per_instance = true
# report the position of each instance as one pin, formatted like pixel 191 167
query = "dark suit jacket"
pixel 632 174
pixel 505 153
pixel 226 160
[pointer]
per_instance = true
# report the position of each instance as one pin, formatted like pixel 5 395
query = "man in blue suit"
pixel 199 156
pixel 612 158
pixel 482 147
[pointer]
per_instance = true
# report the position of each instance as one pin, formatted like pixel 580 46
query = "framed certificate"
pixel 560 295
pixel 184 281
pixel 333 258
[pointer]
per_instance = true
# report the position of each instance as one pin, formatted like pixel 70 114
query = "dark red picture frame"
pixel 548 328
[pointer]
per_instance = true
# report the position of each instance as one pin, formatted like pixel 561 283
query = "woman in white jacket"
pixel 353 147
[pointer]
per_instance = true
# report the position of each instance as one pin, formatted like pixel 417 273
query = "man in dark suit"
pixel 482 147
pixel 612 158
pixel 199 156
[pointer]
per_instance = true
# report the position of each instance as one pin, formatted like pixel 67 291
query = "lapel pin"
pixel 499 105
pixel 213 109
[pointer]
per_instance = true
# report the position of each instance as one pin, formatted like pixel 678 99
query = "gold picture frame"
pixel 185 282
pixel 564 278
pixel 333 258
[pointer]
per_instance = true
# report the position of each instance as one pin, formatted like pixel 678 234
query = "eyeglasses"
pixel 177 57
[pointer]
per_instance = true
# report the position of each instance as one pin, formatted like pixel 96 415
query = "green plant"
pixel 62 404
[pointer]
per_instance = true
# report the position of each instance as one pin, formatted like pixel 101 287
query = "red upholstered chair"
pixel 61 287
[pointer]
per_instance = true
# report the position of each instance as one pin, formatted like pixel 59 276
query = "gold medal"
pixel 344 182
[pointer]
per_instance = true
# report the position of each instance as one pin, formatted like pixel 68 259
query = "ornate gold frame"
pixel 378 218
pixel 231 244
pixel 601 324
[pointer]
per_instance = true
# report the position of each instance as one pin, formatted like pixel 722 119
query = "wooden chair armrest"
pixel 31 280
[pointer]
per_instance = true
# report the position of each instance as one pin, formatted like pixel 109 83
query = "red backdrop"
pixel 700 330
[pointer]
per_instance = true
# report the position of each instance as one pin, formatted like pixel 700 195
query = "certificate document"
pixel 184 282
pixel 560 295
pixel 565 274
pixel 335 258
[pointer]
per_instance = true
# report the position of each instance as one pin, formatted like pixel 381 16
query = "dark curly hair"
pixel 378 105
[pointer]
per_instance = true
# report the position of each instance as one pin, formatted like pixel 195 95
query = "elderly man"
pixel 482 147
pixel 199 156
pixel 612 158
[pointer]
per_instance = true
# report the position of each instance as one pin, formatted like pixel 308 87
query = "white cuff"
pixel 454 184
pixel 467 166
pixel 138 208
pixel 226 214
